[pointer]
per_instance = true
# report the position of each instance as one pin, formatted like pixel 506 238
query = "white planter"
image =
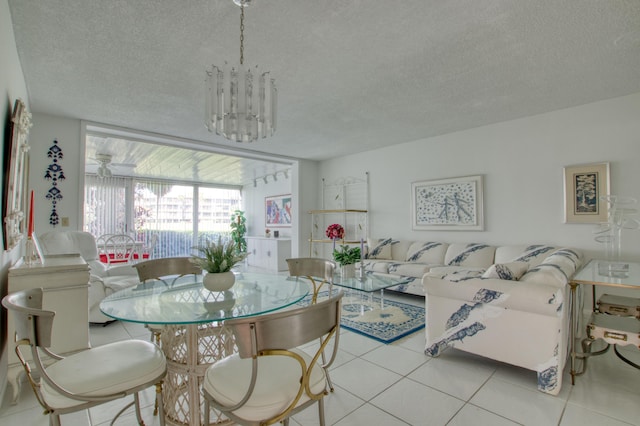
pixel 348 271
pixel 218 282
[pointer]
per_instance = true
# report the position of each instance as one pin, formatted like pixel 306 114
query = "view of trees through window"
pixel 181 215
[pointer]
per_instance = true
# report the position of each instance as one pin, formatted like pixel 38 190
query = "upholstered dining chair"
pixel 269 380
pixel 167 270
pixel 84 379
pixel 319 271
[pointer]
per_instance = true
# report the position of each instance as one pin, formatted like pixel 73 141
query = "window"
pixel 182 215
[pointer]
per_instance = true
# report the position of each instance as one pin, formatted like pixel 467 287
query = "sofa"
pixel 103 280
pixel 508 303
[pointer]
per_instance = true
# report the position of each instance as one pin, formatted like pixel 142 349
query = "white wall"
pixel 522 162
pixel 67 132
pixel 13 86
pixel 301 185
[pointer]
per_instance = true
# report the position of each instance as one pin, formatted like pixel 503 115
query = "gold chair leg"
pixel 158 395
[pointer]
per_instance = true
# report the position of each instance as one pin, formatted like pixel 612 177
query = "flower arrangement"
pixel 346 255
pixel 218 257
pixel 335 232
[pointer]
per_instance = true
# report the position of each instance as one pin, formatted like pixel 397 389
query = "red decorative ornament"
pixel 335 232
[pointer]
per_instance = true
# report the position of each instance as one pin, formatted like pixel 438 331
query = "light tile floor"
pixel 397 384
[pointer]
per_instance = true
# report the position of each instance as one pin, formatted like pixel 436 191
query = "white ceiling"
pixel 352 75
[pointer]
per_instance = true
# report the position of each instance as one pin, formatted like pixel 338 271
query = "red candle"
pixel 30 229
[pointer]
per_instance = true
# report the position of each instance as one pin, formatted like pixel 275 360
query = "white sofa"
pixel 508 303
pixel 103 280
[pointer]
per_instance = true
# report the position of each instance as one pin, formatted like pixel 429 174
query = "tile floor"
pixel 397 384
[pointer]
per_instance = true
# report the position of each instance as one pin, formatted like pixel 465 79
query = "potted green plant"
pixel 347 257
pixel 238 230
pixel 217 259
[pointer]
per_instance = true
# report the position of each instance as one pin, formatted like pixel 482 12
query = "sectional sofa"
pixel 508 303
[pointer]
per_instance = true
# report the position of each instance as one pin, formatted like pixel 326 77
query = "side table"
pixel 597 273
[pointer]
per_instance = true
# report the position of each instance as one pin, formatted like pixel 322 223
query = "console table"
pixel 65 281
pixel 611 328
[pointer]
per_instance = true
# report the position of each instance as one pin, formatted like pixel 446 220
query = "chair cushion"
pixel 116 367
pixel 277 385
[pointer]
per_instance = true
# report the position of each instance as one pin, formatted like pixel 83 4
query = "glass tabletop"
pixel 613 274
pixel 186 301
pixel 371 282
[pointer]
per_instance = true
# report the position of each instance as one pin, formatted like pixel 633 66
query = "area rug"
pixel 385 322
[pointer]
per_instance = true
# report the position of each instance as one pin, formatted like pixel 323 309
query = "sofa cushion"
pixel 455 273
pixel 556 269
pixel 426 252
pixel 534 254
pixel 380 266
pixel 506 271
pixel 409 269
pixel 399 250
pixel 379 249
pixel 471 255
pixel 539 299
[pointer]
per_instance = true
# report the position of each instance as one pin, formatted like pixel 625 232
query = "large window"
pixel 181 215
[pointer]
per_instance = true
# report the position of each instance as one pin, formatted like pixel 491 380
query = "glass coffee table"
pixel 369 284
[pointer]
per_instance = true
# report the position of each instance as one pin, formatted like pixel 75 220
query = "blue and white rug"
pixel 385 322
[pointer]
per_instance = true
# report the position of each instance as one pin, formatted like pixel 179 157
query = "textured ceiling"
pixel 352 75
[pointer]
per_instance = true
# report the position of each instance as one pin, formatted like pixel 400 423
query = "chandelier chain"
pixel 242 34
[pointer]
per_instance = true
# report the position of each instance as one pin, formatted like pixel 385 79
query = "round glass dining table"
pixel 193 335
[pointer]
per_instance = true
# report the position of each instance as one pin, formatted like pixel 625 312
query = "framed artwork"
pixel 15 176
pixel 278 211
pixel 448 204
pixel 584 187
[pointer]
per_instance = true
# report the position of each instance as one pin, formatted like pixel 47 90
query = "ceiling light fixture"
pixel 235 108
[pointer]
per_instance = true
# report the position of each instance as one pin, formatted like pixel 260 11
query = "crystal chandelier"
pixel 240 102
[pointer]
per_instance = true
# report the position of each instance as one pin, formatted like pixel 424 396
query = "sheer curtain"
pixel 178 216
pixel 105 201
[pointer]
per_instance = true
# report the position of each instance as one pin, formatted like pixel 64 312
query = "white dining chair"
pixel 84 379
pixel 269 379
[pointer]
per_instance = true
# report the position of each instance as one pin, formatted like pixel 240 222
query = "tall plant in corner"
pixel 238 230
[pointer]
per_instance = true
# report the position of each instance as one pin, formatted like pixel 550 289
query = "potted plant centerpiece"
pixel 217 259
pixel 347 257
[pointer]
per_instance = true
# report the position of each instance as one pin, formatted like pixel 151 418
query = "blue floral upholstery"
pixel 492 314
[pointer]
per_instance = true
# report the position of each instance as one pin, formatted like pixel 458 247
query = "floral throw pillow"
pixel 507 271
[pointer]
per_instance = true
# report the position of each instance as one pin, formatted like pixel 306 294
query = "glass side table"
pixel 613 329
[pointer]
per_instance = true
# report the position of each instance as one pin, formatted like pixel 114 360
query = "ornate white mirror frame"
pixel 16 177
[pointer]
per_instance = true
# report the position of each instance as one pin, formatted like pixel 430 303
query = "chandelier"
pixel 240 102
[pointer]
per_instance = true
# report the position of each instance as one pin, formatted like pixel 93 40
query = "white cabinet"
pixel 268 253
pixel 65 282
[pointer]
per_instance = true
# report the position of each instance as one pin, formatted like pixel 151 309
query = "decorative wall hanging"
pixel 448 204
pixel 278 211
pixel 584 188
pixel 55 174
pixel 15 175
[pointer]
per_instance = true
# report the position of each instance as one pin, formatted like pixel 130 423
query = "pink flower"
pixel 335 232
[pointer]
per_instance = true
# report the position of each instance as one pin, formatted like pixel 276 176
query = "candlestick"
pixel 361 249
pixel 30 227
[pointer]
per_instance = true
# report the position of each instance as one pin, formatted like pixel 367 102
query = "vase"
pixel 220 281
pixel 349 271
